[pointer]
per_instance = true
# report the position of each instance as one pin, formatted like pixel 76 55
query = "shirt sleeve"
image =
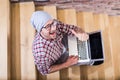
pixel 42 63
pixel 66 28
pixel 41 59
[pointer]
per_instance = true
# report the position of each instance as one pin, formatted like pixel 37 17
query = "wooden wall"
pixel 4 38
pixel 16 36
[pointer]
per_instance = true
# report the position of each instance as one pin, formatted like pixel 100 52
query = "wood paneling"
pixel 15 44
pixel 114 33
pixel 4 33
pixel 50 9
pixel 85 20
pixel 26 38
pixel 103 20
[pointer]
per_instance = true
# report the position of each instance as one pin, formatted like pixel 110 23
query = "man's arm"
pixel 70 61
pixel 66 28
pixel 73 30
pixel 81 36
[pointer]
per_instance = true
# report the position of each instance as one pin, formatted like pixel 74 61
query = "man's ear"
pixel 35 31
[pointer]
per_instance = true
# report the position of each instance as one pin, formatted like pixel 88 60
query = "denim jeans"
pixel 65 54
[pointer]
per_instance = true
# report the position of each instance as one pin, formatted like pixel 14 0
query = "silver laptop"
pixel 90 52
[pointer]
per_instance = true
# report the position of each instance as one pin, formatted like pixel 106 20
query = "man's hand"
pixel 71 61
pixel 81 36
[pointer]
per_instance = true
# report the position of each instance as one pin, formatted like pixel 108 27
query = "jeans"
pixel 65 54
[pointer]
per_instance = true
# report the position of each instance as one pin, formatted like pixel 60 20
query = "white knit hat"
pixel 39 19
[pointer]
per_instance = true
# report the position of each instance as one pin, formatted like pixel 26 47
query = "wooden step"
pixel 27 33
pixel 4 42
pixel 114 33
pixel 15 42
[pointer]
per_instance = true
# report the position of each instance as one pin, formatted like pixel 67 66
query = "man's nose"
pixel 53 27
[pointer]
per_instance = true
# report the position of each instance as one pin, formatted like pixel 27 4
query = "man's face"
pixel 49 30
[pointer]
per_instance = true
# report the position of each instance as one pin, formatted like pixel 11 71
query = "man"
pixel 47 44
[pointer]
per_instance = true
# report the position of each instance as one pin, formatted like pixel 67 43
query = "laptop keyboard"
pixel 82 52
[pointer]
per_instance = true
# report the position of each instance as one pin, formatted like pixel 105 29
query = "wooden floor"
pixel 16 36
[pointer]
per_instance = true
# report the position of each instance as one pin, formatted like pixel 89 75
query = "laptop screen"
pixel 96 45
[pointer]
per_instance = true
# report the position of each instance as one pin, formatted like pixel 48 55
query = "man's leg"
pixel 65 54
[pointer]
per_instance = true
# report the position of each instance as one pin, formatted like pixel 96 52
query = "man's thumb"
pixel 73 32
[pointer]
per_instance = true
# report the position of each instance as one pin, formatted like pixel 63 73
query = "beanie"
pixel 39 19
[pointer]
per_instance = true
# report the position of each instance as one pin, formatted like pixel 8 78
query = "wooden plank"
pixel 15 44
pixel 80 20
pixel 104 25
pixel 93 76
pixel 86 21
pixel 4 27
pixel 68 16
pixel 108 64
pixel 37 8
pixel 9 39
pixel 26 38
pixel 52 11
pixel 109 73
pixel 114 32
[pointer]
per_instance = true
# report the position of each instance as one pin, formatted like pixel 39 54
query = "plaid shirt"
pixel 47 52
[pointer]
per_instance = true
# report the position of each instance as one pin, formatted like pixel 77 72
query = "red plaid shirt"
pixel 47 52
